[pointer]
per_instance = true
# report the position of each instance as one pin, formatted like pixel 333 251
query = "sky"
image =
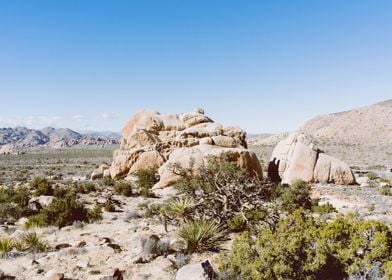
pixel 266 66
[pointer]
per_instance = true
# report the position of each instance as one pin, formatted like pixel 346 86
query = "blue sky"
pixel 267 66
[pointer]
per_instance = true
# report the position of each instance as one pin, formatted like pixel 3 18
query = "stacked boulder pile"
pixel 298 158
pixel 154 139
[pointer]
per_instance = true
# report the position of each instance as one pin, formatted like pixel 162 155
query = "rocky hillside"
pixel 22 138
pixel 370 125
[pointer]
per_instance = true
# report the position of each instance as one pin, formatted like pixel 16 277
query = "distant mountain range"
pixel 370 126
pixel 24 138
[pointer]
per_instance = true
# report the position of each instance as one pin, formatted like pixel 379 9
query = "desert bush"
pixel 84 188
pixel 109 207
pixel 36 221
pixel 95 214
pixel 151 210
pixel 108 181
pixel 385 180
pixel 14 203
pixel 293 196
pixel 371 207
pixel 31 241
pixel 145 180
pixel 63 212
pixel 202 235
pixel 323 208
pixel 302 247
pixel 123 188
pixel 385 190
pixel 41 186
pixel 372 176
pixel 61 192
pixel 6 246
pixel 222 189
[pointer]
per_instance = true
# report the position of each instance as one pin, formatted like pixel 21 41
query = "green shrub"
pixel 61 192
pixel 385 180
pixel 14 203
pixel 151 209
pixel 123 188
pixel 372 176
pixel 294 196
pixel 108 181
pixel 202 235
pixel 95 214
pixel 63 212
pixel 385 190
pixel 371 207
pixel 109 207
pixel 223 190
pixel 36 221
pixel 41 186
pixel 31 241
pixel 145 180
pixel 322 209
pixel 6 246
pixel 302 247
pixel 237 223
pixel 84 188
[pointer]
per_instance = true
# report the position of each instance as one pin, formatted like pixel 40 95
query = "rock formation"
pixel 297 158
pixel 7 150
pixel 154 139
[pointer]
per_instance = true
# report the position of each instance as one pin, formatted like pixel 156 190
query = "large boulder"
pixel 153 139
pixel 8 149
pixel 298 158
pixel 197 271
pixel 99 172
pixel 199 155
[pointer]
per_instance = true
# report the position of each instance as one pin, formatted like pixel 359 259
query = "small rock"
pixel 107 240
pixel 22 221
pixel 362 180
pixel 84 264
pixel 177 245
pixel 198 271
pixel 81 244
pixel 54 274
pixel 117 249
pixel 62 246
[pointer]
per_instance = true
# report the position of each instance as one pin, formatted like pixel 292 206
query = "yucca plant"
pixel 181 207
pixel 6 245
pixel 202 235
pixel 32 241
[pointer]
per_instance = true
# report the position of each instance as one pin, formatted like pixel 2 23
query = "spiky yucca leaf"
pixel 202 235
pixel 32 241
pixel 6 245
pixel 181 207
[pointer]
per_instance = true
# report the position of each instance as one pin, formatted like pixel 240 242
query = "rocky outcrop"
pixel 7 150
pixel 153 139
pixel 197 271
pixel 297 158
pixel 99 172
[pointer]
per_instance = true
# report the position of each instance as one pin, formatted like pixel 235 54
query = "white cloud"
pixel 110 115
pixel 78 117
